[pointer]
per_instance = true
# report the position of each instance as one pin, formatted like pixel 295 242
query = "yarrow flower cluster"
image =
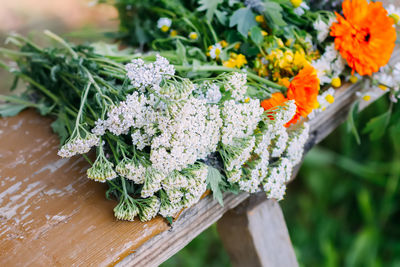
pixel 78 145
pixel 189 133
pixel 144 75
pixel 264 161
pixel 239 119
pixel 236 84
pixel 173 124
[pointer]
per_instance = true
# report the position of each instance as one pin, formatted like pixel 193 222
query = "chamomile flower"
pixel 300 7
pixel 367 95
pixel 193 36
pixel 323 27
pixel 215 50
pixel 164 24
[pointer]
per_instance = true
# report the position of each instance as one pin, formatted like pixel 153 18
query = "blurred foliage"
pixel 343 210
pixel 205 250
pixel 344 207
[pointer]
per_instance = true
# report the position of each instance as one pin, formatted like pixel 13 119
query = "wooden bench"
pixel 52 215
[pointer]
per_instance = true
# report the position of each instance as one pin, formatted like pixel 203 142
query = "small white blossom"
pixel 164 24
pixel 323 27
pixel 239 119
pixel 236 84
pixel 301 9
pixel 78 145
pixel 215 50
pixel 150 209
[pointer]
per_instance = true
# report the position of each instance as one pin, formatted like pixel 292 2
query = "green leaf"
pixel 60 128
pixel 210 6
pixel 376 126
pixel 105 49
pixel 221 16
pixel 181 52
pixel 244 20
pixel 273 12
pixel 9 110
pixel 214 179
pixel 232 2
pixel 351 121
pixel 169 219
pixel 256 35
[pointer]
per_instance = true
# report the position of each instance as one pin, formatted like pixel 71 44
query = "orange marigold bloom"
pixel 303 89
pixel 277 99
pixel 365 36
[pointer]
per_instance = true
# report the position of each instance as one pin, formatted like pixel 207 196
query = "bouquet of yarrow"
pixel 202 94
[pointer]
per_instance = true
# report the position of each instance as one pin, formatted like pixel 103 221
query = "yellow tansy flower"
pixel 353 79
pixel 296 3
pixel 223 43
pixel 336 82
pixel 260 18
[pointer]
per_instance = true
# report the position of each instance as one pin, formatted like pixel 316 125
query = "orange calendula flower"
pixel 303 89
pixel 365 36
pixel 277 99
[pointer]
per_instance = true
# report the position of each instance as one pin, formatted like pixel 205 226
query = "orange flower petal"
pixel 365 36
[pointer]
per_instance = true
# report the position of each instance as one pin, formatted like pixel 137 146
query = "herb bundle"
pixel 195 112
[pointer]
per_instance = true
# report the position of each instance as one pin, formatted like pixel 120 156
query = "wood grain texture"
pixel 255 234
pixel 51 214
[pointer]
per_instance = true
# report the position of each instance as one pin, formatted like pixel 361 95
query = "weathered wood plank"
pixel 255 234
pixel 50 213
pixel 53 215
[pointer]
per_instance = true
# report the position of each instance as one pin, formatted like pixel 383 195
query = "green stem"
pixel 116 186
pixel 212 32
pixel 17 101
pixel 83 101
pixel 10 52
pixel 226 69
pixel 61 41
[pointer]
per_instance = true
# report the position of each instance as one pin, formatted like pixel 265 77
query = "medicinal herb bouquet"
pixel 216 96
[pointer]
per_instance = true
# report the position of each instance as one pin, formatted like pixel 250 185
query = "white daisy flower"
pixel 164 24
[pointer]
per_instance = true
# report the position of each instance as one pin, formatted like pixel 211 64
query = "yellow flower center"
pixel 329 98
pixel 264 33
pixel 353 79
pixel 164 28
pixel 366 97
pixel 193 36
pixel 260 18
pixel 237 46
pixel 296 3
pixel 173 33
pixel 217 52
pixel 247 100
pixel 382 87
pixel 336 82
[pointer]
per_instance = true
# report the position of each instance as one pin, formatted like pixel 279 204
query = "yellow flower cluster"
pixel 285 60
pixel 235 61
